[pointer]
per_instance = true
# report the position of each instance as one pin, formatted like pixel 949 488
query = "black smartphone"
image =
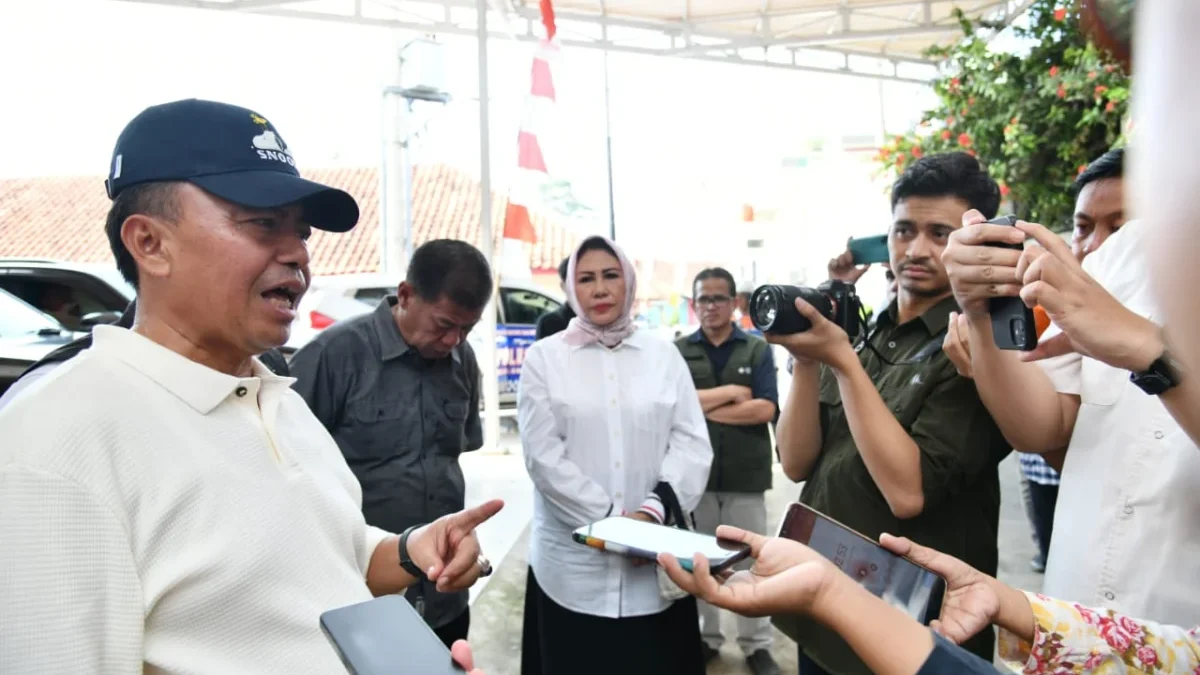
pixel 900 582
pixel 386 636
pixel 869 250
pixel 637 539
pixel 1013 324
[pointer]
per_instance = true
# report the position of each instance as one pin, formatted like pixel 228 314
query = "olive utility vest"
pixel 742 455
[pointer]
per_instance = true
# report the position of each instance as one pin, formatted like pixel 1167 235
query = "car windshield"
pixel 19 318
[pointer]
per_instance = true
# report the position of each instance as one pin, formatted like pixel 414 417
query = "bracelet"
pixel 406 562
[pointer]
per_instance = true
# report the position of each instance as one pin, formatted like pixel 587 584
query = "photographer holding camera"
pixel 886 434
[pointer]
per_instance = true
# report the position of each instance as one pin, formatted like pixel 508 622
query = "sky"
pixel 692 141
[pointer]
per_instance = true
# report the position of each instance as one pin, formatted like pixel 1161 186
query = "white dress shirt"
pixel 158 516
pixel 599 429
pixel 1127 522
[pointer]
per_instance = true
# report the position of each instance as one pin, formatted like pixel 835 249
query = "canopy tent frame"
pixel 879 39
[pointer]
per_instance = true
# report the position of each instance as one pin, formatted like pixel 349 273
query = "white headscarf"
pixel 581 331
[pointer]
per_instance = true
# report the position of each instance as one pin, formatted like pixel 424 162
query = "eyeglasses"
pixel 712 300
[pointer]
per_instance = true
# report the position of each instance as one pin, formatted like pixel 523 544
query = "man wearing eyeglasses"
pixel 734 374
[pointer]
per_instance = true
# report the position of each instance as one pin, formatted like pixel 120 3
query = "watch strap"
pixel 1163 375
pixel 406 562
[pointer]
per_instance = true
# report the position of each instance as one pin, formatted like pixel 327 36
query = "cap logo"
pixel 268 144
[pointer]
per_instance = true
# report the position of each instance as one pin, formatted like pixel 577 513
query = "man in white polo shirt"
pixel 167 504
pixel 1126 531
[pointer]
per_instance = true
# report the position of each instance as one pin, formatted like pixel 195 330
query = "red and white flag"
pixel 525 192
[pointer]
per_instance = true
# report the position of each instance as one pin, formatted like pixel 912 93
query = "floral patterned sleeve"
pixel 1070 639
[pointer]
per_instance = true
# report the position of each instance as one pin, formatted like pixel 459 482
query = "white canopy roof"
pixel 874 38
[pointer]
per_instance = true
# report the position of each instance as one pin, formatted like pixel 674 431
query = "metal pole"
pixel 487 361
pixel 406 177
pixel 385 138
pixel 612 214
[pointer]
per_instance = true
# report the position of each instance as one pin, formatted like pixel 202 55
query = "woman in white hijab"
pixel 606 414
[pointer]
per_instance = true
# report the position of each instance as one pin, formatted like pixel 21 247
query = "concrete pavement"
pixel 497 604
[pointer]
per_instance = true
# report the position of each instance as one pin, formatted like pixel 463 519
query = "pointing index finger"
pixel 1048 240
pixel 477 515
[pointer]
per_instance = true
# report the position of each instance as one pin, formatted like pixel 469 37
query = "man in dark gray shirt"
pixel 398 389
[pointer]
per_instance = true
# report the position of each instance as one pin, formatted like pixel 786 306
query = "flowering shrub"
pixel 1034 120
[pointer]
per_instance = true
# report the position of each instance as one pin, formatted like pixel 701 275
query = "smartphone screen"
pixel 626 536
pixel 897 580
pixel 868 250
pixel 386 636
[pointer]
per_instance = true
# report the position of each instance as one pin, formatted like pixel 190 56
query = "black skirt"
pixel 558 641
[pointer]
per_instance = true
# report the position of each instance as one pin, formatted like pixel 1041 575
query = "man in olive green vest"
pixel 884 433
pixel 734 374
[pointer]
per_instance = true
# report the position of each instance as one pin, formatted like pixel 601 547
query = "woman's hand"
pixel 787 577
pixel 972 601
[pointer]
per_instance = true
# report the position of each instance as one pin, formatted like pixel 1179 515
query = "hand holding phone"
pixel 1013 324
pixel 900 582
pixel 641 540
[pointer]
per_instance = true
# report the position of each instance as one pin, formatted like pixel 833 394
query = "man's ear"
pixel 150 241
pixel 404 293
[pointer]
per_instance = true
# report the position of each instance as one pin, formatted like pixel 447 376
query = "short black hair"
pixel 453 269
pixel 716 273
pixel 949 174
pixel 1109 165
pixel 562 269
pixel 156 199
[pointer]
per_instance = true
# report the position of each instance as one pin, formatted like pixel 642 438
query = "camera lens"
pixel 773 308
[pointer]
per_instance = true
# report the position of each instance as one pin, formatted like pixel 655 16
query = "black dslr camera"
pixel 773 307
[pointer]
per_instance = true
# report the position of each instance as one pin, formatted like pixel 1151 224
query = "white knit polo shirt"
pixel 160 516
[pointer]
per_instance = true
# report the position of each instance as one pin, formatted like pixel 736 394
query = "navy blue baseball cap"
pixel 231 152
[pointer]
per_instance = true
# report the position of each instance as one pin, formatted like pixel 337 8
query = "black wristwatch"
pixel 1162 375
pixel 406 562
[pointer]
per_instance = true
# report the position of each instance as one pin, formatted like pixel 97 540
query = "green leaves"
pixel 1033 120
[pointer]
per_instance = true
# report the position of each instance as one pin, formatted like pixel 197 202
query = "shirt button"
pixel 614 402
pixel 240 391
pixel 1109 595
pixel 1158 435
pixel 892 344
pixel 617 465
pixel 618 495
pixel 1128 509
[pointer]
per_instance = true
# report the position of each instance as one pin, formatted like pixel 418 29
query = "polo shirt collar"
pixel 391 340
pixel 199 386
pixel 636 340
pixel 935 319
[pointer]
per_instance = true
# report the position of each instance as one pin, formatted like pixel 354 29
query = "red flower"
pixel 1062 91
pixel 1092 75
pixel 949 121
pixel 917 152
pixel 1004 190
pixel 1053 71
pixel 971 101
pixel 971 153
pixel 946 135
pixel 1114 636
pixel 1133 628
pixel 1147 656
pixel 1015 120
pixel 954 83
pixel 965 111
pixel 964 140
pixel 1109 69
pixel 1100 89
pixel 1060 14
pixel 1112 105
pixel 1082 168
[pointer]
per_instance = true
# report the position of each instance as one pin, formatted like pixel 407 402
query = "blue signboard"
pixel 511 343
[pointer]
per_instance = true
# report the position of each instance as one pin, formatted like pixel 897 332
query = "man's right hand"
pixel 977 271
pixel 842 268
pixel 957 344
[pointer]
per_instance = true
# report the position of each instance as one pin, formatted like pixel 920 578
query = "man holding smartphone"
pixel 1107 390
pixel 885 434
pixel 734 374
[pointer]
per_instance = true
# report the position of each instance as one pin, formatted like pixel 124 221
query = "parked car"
pixel 77 295
pixel 333 298
pixel 26 335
